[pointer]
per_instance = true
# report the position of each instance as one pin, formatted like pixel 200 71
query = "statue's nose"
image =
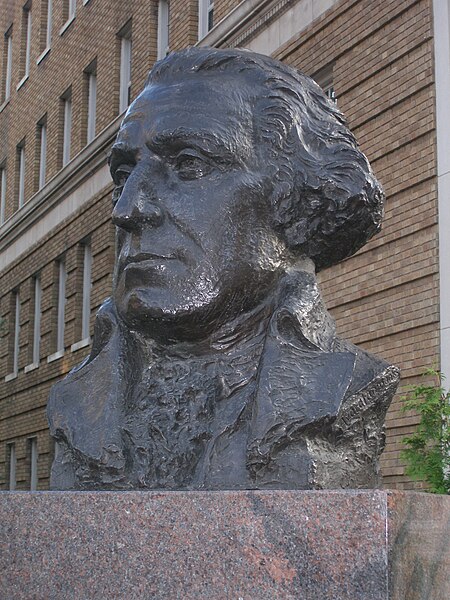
pixel 134 212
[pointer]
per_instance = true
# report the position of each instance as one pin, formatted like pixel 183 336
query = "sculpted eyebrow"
pixel 168 142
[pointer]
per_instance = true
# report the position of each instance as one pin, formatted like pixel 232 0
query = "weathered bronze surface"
pixel 215 364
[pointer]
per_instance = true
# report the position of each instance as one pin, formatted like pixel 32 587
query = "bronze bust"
pixel 215 364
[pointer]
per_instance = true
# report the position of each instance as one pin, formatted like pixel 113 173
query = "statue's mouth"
pixel 147 261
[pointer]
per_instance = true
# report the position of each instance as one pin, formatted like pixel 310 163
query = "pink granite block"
pixel 335 545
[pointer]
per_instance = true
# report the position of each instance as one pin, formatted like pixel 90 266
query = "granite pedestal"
pixel 340 545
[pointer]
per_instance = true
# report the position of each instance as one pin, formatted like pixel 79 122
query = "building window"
pixel 330 94
pixel 91 99
pixel 37 292
pixel 2 194
pixel 87 285
pixel 21 174
pixel 11 461
pixel 69 10
pixel 205 17
pixel 46 26
pixel 42 151
pixel 163 29
pixel 7 66
pixel 67 126
pixel 33 458
pixel 62 275
pixel 125 68
pixel 14 333
pixel 26 43
pixel 325 79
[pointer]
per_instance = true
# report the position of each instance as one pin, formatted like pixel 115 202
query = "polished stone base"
pixel 274 545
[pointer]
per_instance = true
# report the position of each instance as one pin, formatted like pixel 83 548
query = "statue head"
pixel 230 169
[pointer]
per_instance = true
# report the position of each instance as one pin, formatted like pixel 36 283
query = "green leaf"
pixel 427 455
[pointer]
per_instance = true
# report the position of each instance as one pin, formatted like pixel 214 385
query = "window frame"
pixel 205 15
pixel 48 7
pixel 67 126
pixel 163 29
pixel 91 105
pixel 61 305
pixel 16 338
pixel 86 290
pixel 2 193
pixel 37 319
pixel 126 52
pixel 42 140
pixel 12 465
pixel 7 75
pixel 34 457
pixel 70 11
pixel 21 159
pixel 26 39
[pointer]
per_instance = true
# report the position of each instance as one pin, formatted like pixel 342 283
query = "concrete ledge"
pixel 80 344
pixel 55 356
pixel 352 545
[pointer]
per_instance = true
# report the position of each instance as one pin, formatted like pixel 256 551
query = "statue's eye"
pixel 121 174
pixel 192 165
pixel 120 177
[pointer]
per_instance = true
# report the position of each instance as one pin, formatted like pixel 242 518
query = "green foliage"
pixel 428 452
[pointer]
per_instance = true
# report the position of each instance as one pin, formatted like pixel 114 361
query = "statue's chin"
pixel 162 316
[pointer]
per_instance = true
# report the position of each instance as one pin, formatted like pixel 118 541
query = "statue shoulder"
pixel 369 368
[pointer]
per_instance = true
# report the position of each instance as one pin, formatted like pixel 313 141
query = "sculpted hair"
pixel 327 202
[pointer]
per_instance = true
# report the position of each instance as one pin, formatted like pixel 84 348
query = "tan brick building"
pixel 68 70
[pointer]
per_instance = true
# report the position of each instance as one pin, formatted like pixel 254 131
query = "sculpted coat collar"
pixel 301 382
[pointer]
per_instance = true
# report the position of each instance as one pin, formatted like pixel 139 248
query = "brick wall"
pixel 385 298
pixel 222 8
pixel 183 23
pixel 23 400
pixel 91 36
